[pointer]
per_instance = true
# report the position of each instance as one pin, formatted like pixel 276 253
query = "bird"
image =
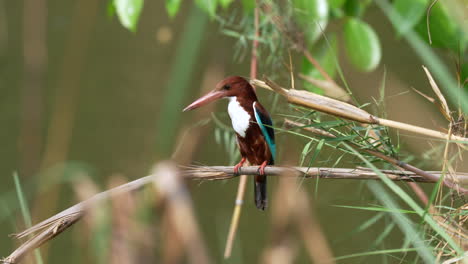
pixel 253 127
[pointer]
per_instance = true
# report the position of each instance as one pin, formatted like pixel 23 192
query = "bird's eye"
pixel 227 87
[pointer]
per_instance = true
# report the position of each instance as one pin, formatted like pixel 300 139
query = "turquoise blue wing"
pixel 266 125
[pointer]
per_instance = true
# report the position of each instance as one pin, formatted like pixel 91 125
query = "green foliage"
pixel 362 44
pixel 336 3
pixel 172 7
pixel 209 6
pixel 129 12
pixel 437 67
pixel 355 8
pixel 464 75
pixel 325 53
pixel 444 31
pixel 248 5
pixel 225 3
pixel 411 13
pixel 312 17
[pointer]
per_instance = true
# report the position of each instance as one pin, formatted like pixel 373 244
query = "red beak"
pixel 208 98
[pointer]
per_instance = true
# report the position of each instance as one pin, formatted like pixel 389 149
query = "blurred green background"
pixel 84 98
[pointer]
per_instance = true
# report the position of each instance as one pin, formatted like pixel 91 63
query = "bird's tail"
pixel 260 190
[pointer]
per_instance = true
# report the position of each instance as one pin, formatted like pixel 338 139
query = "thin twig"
pixel 427 175
pixel 428 13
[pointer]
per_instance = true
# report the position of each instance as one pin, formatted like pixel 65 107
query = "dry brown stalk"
pixel 171 190
pixel 292 211
pixel 180 211
pixel 176 197
pixel 330 89
pixel 344 110
pixel 358 173
pixel 123 235
pixel 235 216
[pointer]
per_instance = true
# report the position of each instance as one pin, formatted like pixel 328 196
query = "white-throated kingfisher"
pixel 253 127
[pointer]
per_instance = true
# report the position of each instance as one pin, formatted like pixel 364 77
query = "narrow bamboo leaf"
pixel 311 15
pixel 412 235
pixel 318 148
pixel 217 136
pixel 327 124
pixel 376 209
pixel 305 151
pixel 172 7
pixel 343 138
pixel 25 212
pixel 226 139
pixel 464 75
pixel 362 45
pixel 368 223
pixel 384 234
pixel 129 12
pixel 411 12
pixel 408 200
pixel 377 252
pixel 317 151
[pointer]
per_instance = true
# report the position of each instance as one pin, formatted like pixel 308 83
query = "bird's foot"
pixel 237 167
pixel 262 168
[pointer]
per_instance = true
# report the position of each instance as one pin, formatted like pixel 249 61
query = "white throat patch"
pixel 239 117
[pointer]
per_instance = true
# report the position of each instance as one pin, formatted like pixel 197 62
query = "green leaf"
pixel 248 5
pixel 336 3
pixel 25 212
pixel 225 3
pixel 464 75
pixel 129 12
pixel 410 12
pixel 376 209
pixel 172 7
pixel 208 6
pixel 312 16
pixel 305 151
pixel 362 45
pixel 355 8
pixel 445 32
pixel 325 54
pixel 110 9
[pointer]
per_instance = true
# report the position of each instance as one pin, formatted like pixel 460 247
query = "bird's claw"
pixel 236 170
pixel 238 166
pixel 261 169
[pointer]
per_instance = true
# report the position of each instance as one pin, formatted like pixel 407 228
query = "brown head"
pixel 229 87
